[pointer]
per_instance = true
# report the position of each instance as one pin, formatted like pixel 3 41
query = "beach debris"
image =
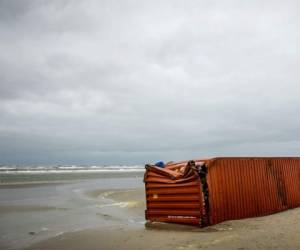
pixel 160 164
pixel 208 191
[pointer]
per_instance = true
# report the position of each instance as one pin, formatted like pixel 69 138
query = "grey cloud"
pixel 131 82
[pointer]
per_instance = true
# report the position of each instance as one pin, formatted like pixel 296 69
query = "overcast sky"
pixel 126 82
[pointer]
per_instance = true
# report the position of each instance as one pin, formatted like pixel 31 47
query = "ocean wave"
pixel 54 169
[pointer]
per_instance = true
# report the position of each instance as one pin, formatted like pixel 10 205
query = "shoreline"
pixel 14 185
pixel 63 177
pixel 254 233
pixel 110 215
pixel 34 212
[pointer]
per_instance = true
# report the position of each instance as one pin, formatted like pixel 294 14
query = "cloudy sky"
pixel 109 82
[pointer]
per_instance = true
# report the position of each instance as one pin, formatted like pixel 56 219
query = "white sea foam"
pixel 116 204
pixel 55 169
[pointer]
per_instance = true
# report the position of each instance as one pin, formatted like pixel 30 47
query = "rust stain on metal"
pixel 210 191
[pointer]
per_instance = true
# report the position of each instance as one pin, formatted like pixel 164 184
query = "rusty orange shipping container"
pixel 209 191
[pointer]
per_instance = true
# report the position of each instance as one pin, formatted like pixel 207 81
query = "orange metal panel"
pixel 174 205
pixel 177 212
pixel 238 187
pixel 173 194
pixel 160 185
pixel 174 190
pixel 252 186
pixel 176 198
pixel 173 219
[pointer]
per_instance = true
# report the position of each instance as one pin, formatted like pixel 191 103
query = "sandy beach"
pixel 113 218
pixel 195 101
pixel 278 231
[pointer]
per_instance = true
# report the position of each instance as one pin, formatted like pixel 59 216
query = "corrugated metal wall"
pixel 249 187
pixel 238 188
pixel 173 198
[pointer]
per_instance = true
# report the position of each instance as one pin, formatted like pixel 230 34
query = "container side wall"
pixel 177 200
pixel 248 187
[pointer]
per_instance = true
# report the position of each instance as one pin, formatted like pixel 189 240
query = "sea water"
pixel 45 201
pixel 52 173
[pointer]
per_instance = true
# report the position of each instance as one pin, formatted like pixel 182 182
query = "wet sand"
pixel 30 184
pixel 4 209
pixel 131 199
pixel 34 212
pixel 278 231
